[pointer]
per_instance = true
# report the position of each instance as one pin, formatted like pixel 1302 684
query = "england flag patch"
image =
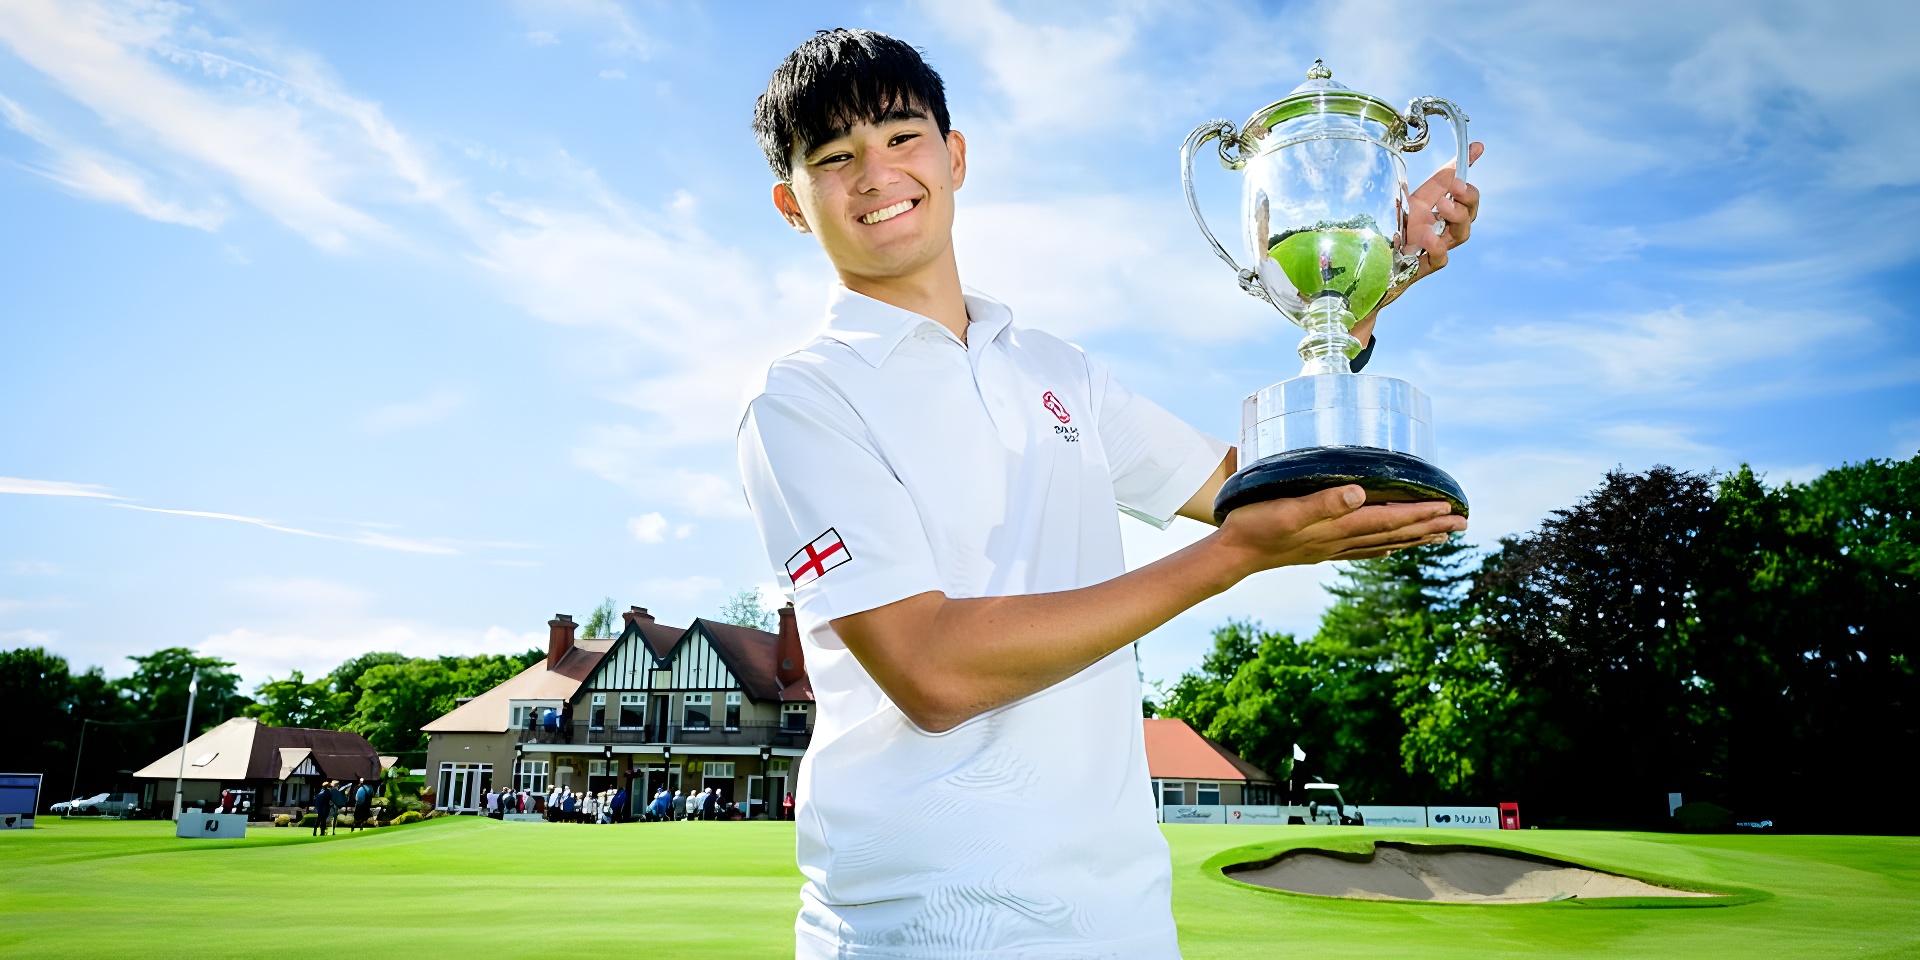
pixel 812 561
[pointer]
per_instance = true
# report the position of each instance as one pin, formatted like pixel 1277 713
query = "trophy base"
pixel 1388 476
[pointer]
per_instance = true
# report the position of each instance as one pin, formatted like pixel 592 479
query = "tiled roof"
pixel 491 712
pixel 749 653
pixel 246 749
pixel 1176 751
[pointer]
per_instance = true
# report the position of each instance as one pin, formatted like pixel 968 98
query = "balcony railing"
pixel 744 735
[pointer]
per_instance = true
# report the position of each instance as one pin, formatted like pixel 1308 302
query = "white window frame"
pixel 731 718
pixel 1178 787
pixel 696 699
pixel 639 702
pixel 530 775
pixel 717 770
pixel 788 709
pixel 1199 791
pixel 597 712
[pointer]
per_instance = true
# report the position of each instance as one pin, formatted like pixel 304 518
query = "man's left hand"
pixel 1446 199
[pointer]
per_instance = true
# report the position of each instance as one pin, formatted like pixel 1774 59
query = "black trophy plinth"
pixel 1387 475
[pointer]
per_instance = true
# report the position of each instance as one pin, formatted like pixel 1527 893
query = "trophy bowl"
pixel 1324 212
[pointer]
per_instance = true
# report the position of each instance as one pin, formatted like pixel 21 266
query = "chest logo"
pixel 1055 407
pixel 812 561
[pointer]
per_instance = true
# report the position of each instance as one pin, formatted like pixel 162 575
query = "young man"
pixel 939 487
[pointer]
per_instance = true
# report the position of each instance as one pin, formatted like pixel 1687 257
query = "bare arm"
pixel 943 661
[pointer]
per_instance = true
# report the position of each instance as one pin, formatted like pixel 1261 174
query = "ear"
pixel 789 207
pixel 957 157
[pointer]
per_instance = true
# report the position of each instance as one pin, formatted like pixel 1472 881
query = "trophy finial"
pixel 1319 71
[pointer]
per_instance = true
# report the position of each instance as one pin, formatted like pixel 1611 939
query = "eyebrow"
pixel 892 114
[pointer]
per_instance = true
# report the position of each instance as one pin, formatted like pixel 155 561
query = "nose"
pixel 876 172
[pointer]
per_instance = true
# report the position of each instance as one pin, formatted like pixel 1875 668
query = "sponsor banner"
pixel 1374 815
pixel 1179 813
pixel 1271 816
pixel 205 825
pixel 1467 818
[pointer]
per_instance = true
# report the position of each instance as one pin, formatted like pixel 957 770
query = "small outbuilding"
pixel 1189 769
pixel 273 769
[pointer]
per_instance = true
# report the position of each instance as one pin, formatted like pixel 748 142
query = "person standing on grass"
pixel 322 808
pixel 362 803
pixel 939 487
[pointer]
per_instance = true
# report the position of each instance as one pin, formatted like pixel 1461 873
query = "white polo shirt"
pixel 886 459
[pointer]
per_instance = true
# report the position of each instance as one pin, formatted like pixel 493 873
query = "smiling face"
pixel 879 197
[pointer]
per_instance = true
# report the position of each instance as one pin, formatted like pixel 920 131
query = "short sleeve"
pixel 836 522
pixel 1158 461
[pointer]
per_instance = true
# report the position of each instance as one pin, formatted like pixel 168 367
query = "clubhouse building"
pixel 709 705
pixel 271 769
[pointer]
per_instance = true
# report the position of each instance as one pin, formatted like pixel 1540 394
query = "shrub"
pixel 1703 817
pixel 310 820
pixel 411 816
pixel 344 820
pixel 282 820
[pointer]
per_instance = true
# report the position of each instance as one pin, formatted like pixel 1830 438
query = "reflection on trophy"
pixel 1325 215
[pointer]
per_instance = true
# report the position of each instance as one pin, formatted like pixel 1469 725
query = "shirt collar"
pixel 873 329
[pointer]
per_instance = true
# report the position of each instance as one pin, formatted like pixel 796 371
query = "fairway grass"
pixel 470 887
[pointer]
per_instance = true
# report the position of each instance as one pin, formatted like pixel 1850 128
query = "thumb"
pixel 1336 502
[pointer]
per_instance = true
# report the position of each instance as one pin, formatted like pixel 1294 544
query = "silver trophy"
pixel 1325 214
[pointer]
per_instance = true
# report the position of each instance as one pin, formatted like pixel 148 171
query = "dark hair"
pixel 837 79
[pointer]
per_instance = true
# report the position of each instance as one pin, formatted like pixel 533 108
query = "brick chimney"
pixel 559 638
pixel 792 667
pixel 637 615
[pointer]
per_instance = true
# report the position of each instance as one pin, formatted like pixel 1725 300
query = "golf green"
pixel 473 887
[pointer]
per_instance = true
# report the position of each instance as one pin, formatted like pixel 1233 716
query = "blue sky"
pixel 353 326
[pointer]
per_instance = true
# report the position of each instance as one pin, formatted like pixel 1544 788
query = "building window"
pixel 520 713
pixel 698 714
pixel 1173 793
pixel 1208 795
pixel 597 719
pixel 733 711
pixel 633 709
pixel 597 768
pixel 779 765
pixel 530 775
pixel 722 771
pixel 793 716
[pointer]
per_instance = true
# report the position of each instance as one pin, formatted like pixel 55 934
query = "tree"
pixel 745 609
pixel 600 623
pixel 1593 612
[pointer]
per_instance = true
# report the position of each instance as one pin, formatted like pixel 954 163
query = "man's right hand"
pixel 1333 524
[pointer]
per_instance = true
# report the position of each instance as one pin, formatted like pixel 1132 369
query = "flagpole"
pixel 186 731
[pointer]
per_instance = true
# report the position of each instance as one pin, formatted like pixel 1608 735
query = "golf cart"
pixel 1323 807
pixel 98 805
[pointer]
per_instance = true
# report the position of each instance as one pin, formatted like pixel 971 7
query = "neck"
pixel 933 291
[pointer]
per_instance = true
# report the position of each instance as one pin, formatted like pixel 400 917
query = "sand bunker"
pixel 1442 874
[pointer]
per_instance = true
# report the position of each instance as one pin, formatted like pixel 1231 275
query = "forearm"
pixel 943 661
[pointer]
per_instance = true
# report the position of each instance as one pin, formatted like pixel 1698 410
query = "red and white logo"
pixel 1055 407
pixel 812 561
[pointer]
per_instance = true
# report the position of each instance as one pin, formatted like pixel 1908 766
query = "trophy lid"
pixel 1322 95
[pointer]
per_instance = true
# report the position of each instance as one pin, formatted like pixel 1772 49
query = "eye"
pixel 900 138
pixel 832 158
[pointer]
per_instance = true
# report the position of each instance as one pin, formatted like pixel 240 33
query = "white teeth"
pixel 888 213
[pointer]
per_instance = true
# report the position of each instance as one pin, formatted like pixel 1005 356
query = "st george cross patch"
pixel 812 561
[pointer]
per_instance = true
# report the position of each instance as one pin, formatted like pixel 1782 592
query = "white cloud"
pixel 29 637
pixel 433 408
pixel 542 38
pixel 40 568
pixel 289 141
pixel 613 74
pixel 606 20
pixel 631 458
pixel 683 589
pixel 363 537
pixel 54 488
pixel 262 652
pixel 648 528
pixel 94 175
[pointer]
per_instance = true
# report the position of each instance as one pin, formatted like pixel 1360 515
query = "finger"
pixel 1474 150
pixel 1391 518
pixel 1298 513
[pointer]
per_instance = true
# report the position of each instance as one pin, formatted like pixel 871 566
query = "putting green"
pixel 721 891
pixel 1353 261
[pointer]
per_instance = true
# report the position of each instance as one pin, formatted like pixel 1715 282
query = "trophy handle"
pixel 1223 131
pixel 1418 110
